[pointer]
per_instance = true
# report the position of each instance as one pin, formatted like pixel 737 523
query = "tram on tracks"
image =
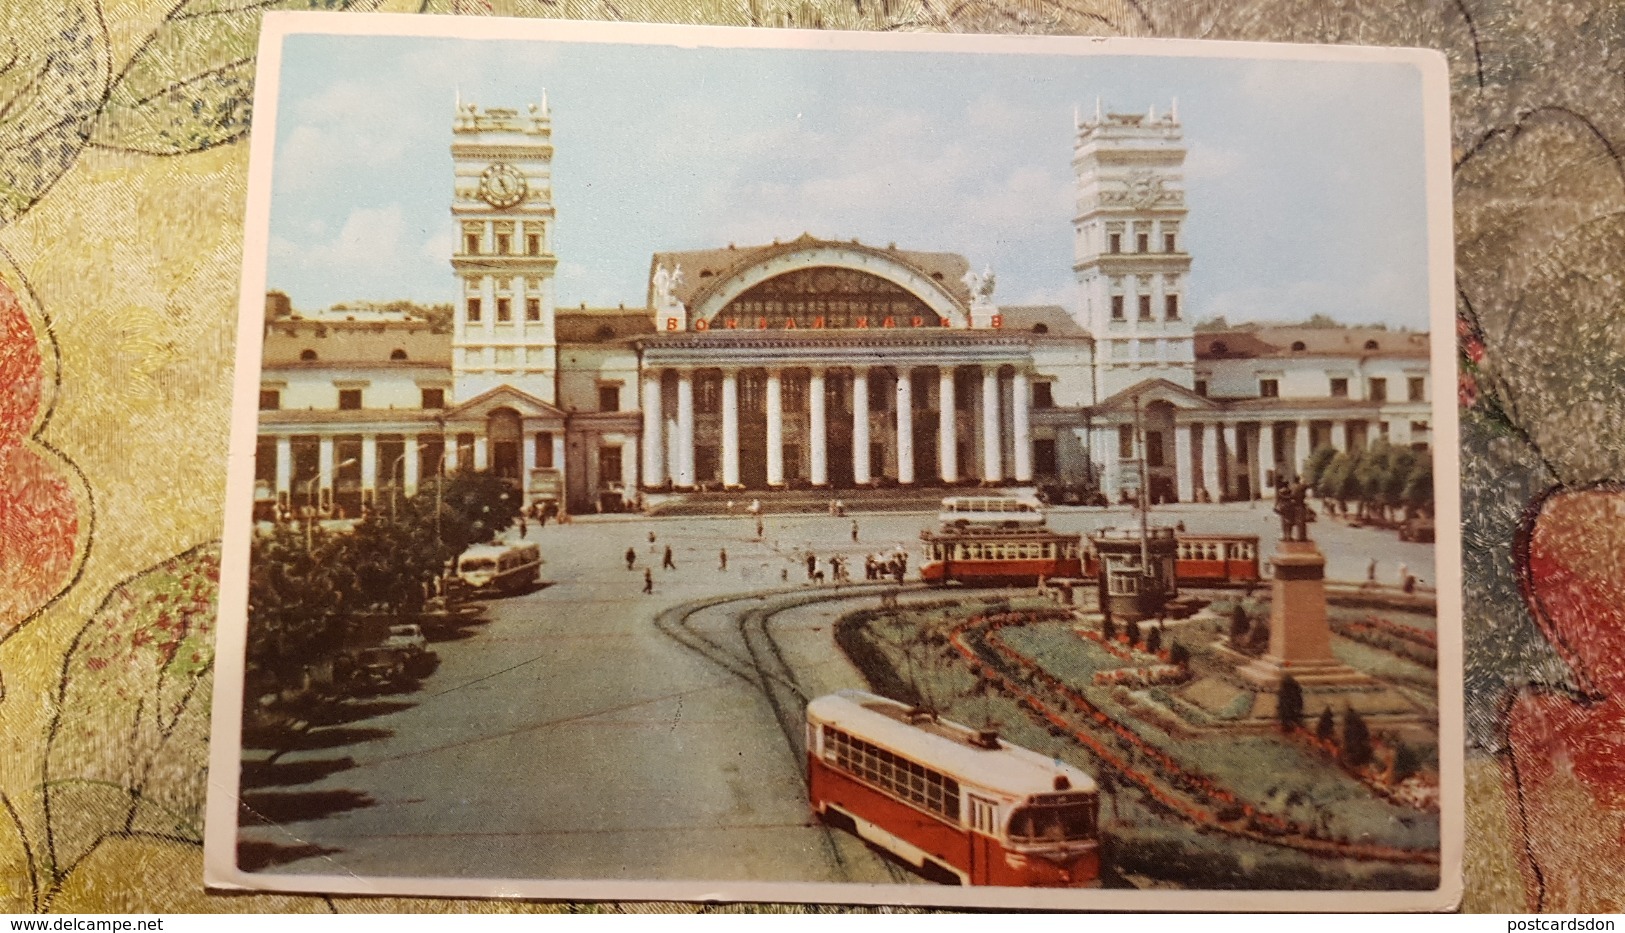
pixel 1020 556
pixel 960 804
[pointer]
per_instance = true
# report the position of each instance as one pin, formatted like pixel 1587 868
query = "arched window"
pixel 1040 328
pixel 307 355
pixel 397 355
pixel 1371 345
pixel 1298 346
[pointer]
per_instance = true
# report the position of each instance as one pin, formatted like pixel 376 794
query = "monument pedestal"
pixel 1300 639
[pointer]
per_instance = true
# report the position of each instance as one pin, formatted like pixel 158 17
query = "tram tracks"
pixel 757 659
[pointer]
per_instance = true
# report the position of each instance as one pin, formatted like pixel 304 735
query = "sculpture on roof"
pixel 980 286
pixel 670 314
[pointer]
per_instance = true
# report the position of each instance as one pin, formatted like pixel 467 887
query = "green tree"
pixel 1418 492
pixel 1180 655
pixel 301 596
pixel 1108 629
pixel 469 508
pixel 1357 749
pixel 1240 625
pixel 1289 705
pixel 1326 728
pixel 1315 464
pixel 1153 641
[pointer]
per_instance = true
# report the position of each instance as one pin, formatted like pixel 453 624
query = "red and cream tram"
pixel 1018 557
pixel 961 805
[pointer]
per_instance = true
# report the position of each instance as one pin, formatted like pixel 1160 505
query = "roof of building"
pixel 586 325
pixel 1051 320
pixel 288 342
pixel 704 266
pixel 1260 341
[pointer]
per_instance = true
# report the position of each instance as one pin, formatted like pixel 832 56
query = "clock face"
pixel 502 185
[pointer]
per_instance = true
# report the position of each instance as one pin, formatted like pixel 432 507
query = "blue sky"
pixel 1305 181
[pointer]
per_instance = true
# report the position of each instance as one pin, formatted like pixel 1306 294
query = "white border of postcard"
pixel 222 830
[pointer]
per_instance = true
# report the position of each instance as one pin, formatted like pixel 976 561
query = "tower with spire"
pixel 503 207
pixel 1129 253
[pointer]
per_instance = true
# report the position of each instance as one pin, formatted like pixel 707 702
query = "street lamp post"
pixel 395 485
pixel 310 520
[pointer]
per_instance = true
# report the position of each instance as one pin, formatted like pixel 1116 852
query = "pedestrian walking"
pixel 760 528
pixel 722 559
pixel 667 563
pixel 648 580
pixel 631 557
pixel 521 524
pixel 812 564
pixel 1371 573
pixel 1404 574
pixel 854 531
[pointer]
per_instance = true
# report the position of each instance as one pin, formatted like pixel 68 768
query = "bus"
pixel 961 805
pixel 991 512
pixel 504 568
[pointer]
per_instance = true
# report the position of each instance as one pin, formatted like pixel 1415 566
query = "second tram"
pixel 1020 556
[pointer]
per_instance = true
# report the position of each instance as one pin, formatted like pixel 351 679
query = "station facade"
pixel 813 363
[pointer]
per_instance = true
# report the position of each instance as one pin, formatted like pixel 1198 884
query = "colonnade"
pixel 669 439
pixel 1213 457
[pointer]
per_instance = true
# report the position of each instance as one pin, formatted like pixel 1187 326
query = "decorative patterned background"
pixel 123 167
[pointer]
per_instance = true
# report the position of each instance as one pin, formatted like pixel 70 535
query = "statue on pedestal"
pixel 1292 505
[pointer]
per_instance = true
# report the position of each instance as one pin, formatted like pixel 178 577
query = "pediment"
pixel 481 406
pixel 1156 390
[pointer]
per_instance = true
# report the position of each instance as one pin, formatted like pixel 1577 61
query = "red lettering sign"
pixel 919 321
pixel 789 323
pixel 761 323
pixel 861 322
pixel 998 320
pixel 671 323
pixel 888 322
pixel 733 323
pixel 818 323
pixel 702 324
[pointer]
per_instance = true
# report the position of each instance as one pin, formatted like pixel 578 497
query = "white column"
pixel 558 454
pixel 629 467
pixel 685 428
pixel 775 429
pixel 482 447
pixel 654 445
pixel 905 425
pixel 527 460
pixel 1184 465
pixel 1210 462
pixel 947 440
pixel 1340 435
pixel 1021 426
pixel 1266 458
pixel 369 462
pixel 817 432
pixel 1300 449
pixel 1106 446
pixel 1230 454
pixel 992 467
pixel 284 464
pixel 730 428
pixel 860 425
pixel 324 468
pixel 409 466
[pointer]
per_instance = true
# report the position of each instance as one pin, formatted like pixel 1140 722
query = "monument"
pixel 1300 638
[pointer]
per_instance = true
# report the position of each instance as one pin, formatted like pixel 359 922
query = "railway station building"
pixel 816 363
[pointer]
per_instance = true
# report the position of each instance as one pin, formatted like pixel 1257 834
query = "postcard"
pixel 677 462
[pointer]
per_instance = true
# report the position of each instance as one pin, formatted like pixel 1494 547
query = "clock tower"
pixel 503 333
pixel 1129 248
